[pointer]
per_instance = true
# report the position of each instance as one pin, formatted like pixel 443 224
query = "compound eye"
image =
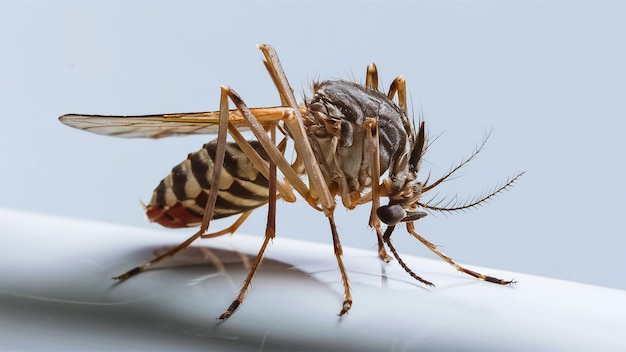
pixel 391 214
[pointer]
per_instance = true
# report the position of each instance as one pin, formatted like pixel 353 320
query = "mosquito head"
pixel 395 213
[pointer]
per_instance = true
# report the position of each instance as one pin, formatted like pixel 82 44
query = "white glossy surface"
pixel 56 293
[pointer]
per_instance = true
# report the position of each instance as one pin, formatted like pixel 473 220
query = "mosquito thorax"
pixel 335 122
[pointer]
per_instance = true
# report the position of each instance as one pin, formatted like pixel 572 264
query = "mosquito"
pixel 352 142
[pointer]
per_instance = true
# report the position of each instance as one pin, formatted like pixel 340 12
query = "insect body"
pixel 352 141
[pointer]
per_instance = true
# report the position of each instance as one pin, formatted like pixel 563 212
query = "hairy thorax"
pixel 336 129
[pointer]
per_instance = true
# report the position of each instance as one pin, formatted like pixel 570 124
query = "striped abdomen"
pixel 181 197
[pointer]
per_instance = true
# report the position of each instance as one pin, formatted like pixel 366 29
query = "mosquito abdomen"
pixel 180 199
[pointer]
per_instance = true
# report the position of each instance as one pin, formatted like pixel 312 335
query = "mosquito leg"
pixel 295 125
pixel 382 253
pixel 270 148
pixel 136 270
pixel 371 135
pixel 208 213
pixel 411 228
pixel 347 296
pixel 230 229
pixel 387 239
pixel 303 147
pixel 270 233
pixel 398 86
pixel 371 77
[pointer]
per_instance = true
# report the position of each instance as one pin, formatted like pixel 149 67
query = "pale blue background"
pixel 548 77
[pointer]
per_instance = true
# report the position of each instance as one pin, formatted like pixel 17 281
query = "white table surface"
pixel 56 292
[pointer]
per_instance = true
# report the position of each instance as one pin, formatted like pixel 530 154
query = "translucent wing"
pixel 166 125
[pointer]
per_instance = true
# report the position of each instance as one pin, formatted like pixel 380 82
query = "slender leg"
pixel 303 147
pixel 347 296
pixel 208 212
pixel 371 126
pixel 270 233
pixel 230 229
pixel 270 148
pixel 371 77
pixel 387 239
pixel 411 228
pixel 277 159
pixel 399 86
pixel 371 130
pixel 295 125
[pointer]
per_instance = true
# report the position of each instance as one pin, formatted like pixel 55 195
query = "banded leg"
pixel 212 197
pixel 411 229
pixel 387 239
